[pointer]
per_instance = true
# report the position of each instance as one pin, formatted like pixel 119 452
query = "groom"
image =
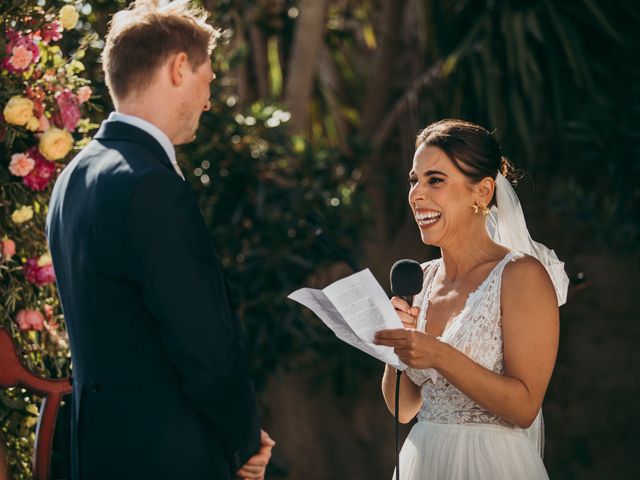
pixel 160 388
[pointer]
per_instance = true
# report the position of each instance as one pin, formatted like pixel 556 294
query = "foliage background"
pixel 288 200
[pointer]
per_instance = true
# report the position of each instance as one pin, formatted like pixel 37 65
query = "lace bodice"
pixel 477 332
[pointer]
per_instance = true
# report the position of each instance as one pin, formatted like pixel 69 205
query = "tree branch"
pixel 308 40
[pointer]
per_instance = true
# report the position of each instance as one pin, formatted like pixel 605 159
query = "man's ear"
pixel 177 66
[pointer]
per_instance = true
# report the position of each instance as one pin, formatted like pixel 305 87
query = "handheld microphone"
pixel 406 281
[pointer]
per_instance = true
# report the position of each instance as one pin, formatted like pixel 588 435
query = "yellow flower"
pixel 33 124
pixel 45 260
pixel 22 214
pixel 55 144
pixel 68 17
pixel 18 110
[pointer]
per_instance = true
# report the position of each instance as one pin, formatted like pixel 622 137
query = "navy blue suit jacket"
pixel 161 388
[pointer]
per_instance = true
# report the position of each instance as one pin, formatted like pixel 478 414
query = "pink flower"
pixel 7 248
pixel 21 165
pixel 21 57
pixel 69 109
pixel 38 108
pixel 46 275
pixel 11 35
pixel 44 123
pixel 38 275
pixel 50 32
pixel 39 177
pixel 84 94
pixel 18 48
pixel 30 269
pixel 51 322
pixel 30 320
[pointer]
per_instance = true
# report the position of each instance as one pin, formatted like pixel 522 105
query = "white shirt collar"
pixel 152 130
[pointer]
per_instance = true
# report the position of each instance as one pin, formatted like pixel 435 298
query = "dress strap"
pixel 499 268
pixel 488 283
pixel 423 302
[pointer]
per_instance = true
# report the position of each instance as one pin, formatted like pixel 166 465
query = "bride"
pixel 481 338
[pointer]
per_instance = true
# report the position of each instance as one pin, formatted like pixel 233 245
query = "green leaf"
pixel 298 143
pixel 520 116
pixel 602 19
pixel 569 48
pixel 522 53
pixel 369 36
pixel 275 69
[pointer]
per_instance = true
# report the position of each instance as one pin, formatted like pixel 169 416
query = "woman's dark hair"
pixel 471 148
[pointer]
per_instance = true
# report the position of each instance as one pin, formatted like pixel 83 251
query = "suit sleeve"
pixel 169 256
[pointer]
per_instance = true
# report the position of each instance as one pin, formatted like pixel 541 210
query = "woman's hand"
pixel 415 348
pixel 408 314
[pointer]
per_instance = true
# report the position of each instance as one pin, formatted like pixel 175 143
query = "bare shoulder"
pixel 525 270
pixel 525 277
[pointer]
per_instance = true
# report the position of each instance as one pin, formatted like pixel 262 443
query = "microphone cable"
pixel 406 278
pixel 396 423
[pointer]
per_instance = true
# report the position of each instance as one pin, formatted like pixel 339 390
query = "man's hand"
pixel 256 466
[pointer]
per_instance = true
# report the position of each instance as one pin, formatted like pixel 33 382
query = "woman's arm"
pixel 410 398
pixel 530 324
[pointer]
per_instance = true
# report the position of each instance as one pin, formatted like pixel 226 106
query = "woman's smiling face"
pixel 441 197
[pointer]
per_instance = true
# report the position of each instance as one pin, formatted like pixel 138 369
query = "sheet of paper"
pixel 354 308
pixel 363 303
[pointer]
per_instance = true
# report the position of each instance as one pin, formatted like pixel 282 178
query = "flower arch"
pixel 44 101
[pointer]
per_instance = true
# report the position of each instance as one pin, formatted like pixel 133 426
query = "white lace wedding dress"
pixel 455 438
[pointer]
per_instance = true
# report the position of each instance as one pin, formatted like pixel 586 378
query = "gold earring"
pixel 482 207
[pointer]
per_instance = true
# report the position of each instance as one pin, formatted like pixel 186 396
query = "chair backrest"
pixel 14 374
pixel 4 468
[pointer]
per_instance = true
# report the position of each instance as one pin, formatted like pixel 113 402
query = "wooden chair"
pixel 14 374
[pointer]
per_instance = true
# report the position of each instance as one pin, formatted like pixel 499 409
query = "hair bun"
pixel 509 171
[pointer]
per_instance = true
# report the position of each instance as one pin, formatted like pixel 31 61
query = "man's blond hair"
pixel 142 37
